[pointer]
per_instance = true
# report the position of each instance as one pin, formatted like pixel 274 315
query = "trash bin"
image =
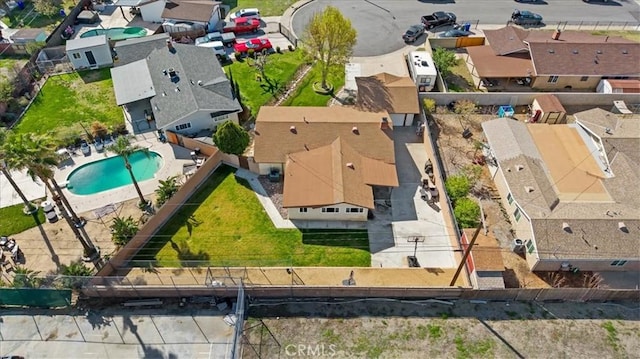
pixel 467 26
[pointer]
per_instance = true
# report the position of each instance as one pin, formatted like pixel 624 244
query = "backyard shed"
pixel 89 52
pixel 87 17
pixel 547 109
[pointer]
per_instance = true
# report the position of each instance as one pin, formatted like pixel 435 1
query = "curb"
pixel 288 14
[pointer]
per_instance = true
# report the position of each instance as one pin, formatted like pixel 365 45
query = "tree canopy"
pixel 329 38
pixel 47 7
pixel 444 60
pixel 467 213
pixel 231 138
pixel 457 187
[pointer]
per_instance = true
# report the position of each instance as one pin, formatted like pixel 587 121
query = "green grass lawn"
pixel 68 100
pixel 304 95
pixel 280 70
pixel 267 8
pixel 29 17
pixel 224 224
pixel 460 79
pixel 13 220
pixel 627 34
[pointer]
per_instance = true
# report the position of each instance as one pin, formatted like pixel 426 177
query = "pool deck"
pixel 112 17
pixel 174 157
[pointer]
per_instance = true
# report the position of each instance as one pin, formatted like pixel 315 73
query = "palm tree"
pixel 29 207
pixel 73 274
pixel 25 278
pixel 122 147
pixel 123 229
pixel 167 189
pixel 37 155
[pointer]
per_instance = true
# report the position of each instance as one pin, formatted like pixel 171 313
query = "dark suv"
pixel 413 33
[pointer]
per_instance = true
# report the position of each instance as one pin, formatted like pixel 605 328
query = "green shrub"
pixel 467 213
pixel 278 49
pixel 237 54
pixel 251 53
pixel 457 187
pixel 429 105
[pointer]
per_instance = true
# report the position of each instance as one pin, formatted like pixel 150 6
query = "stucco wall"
pixel 152 12
pixel 542 83
pixel 200 120
pixel 587 265
pixel 102 55
pixel 526 98
pixel 265 168
pixel 317 214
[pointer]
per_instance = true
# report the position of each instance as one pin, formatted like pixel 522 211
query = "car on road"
pixel 227 38
pixel 257 45
pixel 252 13
pixel 526 17
pixel 438 18
pixel 242 25
pixel 413 33
pixel 456 33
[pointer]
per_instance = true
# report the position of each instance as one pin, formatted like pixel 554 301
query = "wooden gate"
pixel 469 41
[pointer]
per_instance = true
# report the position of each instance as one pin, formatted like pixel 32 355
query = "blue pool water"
pixel 110 173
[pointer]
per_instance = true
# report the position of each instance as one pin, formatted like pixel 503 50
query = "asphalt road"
pixel 381 23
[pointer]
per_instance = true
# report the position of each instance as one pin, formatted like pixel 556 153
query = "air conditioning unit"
pixel 517 246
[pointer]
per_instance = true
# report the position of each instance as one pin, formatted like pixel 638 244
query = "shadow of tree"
pixel 149 352
pixel 270 86
pixel 373 94
pixel 97 320
pixel 187 257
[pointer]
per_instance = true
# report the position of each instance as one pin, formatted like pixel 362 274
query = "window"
pixel 618 263
pixel 76 55
pixel 425 81
pixel 517 214
pixel 303 210
pixel 183 126
pixel 330 210
pixel 510 198
pixel 218 118
pixel 530 247
pixel 584 78
pixel 553 79
pixel 354 210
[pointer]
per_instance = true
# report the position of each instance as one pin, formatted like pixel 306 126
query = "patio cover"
pixel 132 82
pixel 490 65
pixel 132 3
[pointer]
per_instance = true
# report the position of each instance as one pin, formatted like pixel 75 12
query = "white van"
pixel 422 70
pixel 216 46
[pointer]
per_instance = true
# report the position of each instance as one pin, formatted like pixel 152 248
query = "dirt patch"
pixel 360 329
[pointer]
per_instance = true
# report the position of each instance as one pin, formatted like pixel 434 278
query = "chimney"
pixel 350 165
pixel 170 46
pixel 293 129
pixel 556 34
pixel 384 123
pixel 566 227
pixel 354 129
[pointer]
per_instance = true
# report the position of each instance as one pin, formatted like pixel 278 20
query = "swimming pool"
pixel 110 173
pixel 117 33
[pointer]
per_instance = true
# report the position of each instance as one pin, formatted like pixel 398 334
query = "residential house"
pixel 16 41
pixel 553 61
pixel 619 86
pixel 571 190
pixel 174 87
pixel 385 92
pixel 336 161
pixel 201 13
pixel 89 52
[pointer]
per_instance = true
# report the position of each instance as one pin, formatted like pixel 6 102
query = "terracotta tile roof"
pixel 317 127
pixel 189 10
pixel 489 65
pixel 333 174
pixel 550 103
pixel 486 252
pixel 386 92
pixel 507 40
pixel 585 59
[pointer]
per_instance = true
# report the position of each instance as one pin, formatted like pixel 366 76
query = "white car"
pixel 216 46
pixel 246 13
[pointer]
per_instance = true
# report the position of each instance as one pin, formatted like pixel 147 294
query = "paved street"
pixel 381 23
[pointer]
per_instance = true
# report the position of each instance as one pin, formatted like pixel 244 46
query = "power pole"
pixel 466 254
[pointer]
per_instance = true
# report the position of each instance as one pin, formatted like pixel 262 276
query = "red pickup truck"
pixel 241 25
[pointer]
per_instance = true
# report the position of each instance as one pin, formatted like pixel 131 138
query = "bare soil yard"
pixel 386 329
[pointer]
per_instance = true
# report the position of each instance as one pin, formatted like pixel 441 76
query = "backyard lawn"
pixel 267 8
pixel 13 220
pixel 30 18
pixel 69 100
pixel 224 224
pixel 304 95
pixel 279 70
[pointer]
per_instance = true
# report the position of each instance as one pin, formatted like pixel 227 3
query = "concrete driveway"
pixel 136 333
pixel 410 216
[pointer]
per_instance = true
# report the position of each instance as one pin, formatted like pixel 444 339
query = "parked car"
pixel 246 13
pixel 256 44
pixel 413 33
pixel 525 17
pixel 456 33
pixel 228 38
pixel 242 25
pixel 439 18
pixel 217 47
pixel 532 1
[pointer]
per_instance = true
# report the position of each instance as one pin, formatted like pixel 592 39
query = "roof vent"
pixel 551 51
pixel 566 227
pixel 623 227
pixel 575 52
pixel 424 63
pixel 193 83
pixel 384 123
pixel 608 131
pixel 598 51
pixel 155 107
pixel 354 129
pixel 200 82
pixel 293 129
pixel 350 165
pixel 164 93
pixel 177 89
pixel 519 167
pixel 529 189
pixel 625 51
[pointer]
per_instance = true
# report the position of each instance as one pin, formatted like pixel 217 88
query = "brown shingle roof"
pixel 189 10
pixel 624 132
pixel 488 64
pixel 585 59
pixel 486 252
pixel 507 40
pixel 333 174
pixel 386 92
pixel 550 103
pixel 320 126
pixel 627 86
